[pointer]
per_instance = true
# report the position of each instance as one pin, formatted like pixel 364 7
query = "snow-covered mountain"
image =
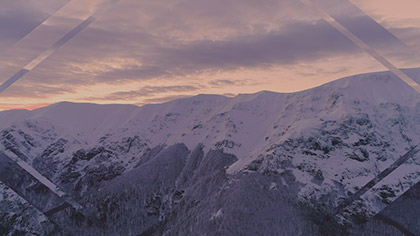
pixel 265 163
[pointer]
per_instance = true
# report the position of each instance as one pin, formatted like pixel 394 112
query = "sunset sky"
pixel 141 52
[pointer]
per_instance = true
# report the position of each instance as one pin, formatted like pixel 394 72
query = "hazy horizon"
pixel 140 52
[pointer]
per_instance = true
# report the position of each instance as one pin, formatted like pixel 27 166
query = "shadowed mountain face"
pixel 256 164
pixel 399 218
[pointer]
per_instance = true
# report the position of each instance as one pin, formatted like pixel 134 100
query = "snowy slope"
pixel 333 138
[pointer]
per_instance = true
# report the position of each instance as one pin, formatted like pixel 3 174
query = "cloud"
pixel 226 82
pixel 147 91
pixel 163 99
pixel 295 43
pixel 19 17
pixel 180 40
pixel 229 94
pixel 145 72
pixel 28 92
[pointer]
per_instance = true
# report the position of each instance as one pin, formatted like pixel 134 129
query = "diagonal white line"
pixel 42 179
pixel 44 55
pixel 36 27
pixel 377 23
pixel 356 40
pixel 35 174
pixel 377 179
pixel 350 7
pixel 406 48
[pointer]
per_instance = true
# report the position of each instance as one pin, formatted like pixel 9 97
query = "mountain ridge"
pixel 414 73
pixel 320 144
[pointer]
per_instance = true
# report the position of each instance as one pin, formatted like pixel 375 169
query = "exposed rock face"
pixel 257 164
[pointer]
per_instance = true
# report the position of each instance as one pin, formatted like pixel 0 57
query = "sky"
pixel 141 52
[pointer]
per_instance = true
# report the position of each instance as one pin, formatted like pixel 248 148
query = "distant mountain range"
pixel 256 164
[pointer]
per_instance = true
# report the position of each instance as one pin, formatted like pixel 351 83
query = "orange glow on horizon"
pixel 30 107
pixel 134 69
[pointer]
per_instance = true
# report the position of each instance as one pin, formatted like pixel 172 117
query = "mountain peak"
pixel 320 145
